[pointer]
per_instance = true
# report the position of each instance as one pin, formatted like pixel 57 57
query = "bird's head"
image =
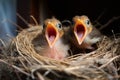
pixel 81 27
pixel 53 30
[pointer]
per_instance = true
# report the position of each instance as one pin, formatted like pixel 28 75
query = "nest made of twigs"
pixel 101 64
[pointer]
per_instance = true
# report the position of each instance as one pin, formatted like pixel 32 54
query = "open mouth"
pixel 51 35
pixel 80 32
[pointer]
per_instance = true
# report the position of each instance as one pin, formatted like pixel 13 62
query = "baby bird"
pixel 85 33
pixel 81 35
pixel 51 42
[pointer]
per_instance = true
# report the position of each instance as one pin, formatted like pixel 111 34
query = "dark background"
pixel 66 9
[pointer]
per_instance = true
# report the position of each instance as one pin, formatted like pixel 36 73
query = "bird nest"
pixel 21 60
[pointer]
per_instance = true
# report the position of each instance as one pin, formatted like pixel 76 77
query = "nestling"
pixel 90 35
pixel 81 34
pixel 50 43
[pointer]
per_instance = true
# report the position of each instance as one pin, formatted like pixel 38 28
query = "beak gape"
pixel 51 34
pixel 80 32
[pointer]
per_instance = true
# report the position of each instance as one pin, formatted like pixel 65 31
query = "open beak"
pixel 80 31
pixel 51 34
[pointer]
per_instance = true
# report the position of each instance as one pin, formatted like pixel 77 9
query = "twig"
pixel 109 62
pixel 2 43
pixel 40 76
pixel 23 64
pixel 14 24
pixel 22 19
pixel 34 20
pixel 114 35
pixel 22 55
pixel 98 18
pixel 110 21
pixel 15 67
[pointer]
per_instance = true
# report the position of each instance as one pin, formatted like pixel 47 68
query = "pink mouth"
pixel 80 30
pixel 51 34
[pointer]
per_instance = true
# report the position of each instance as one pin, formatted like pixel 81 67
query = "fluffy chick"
pixel 50 41
pixel 81 34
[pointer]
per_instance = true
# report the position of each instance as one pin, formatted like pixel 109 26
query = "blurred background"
pixel 99 12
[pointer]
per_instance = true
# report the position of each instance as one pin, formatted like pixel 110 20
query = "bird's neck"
pixel 58 51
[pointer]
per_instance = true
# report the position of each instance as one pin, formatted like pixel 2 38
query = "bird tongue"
pixel 52 38
pixel 80 35
pixel 51 35
pixel 80 32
